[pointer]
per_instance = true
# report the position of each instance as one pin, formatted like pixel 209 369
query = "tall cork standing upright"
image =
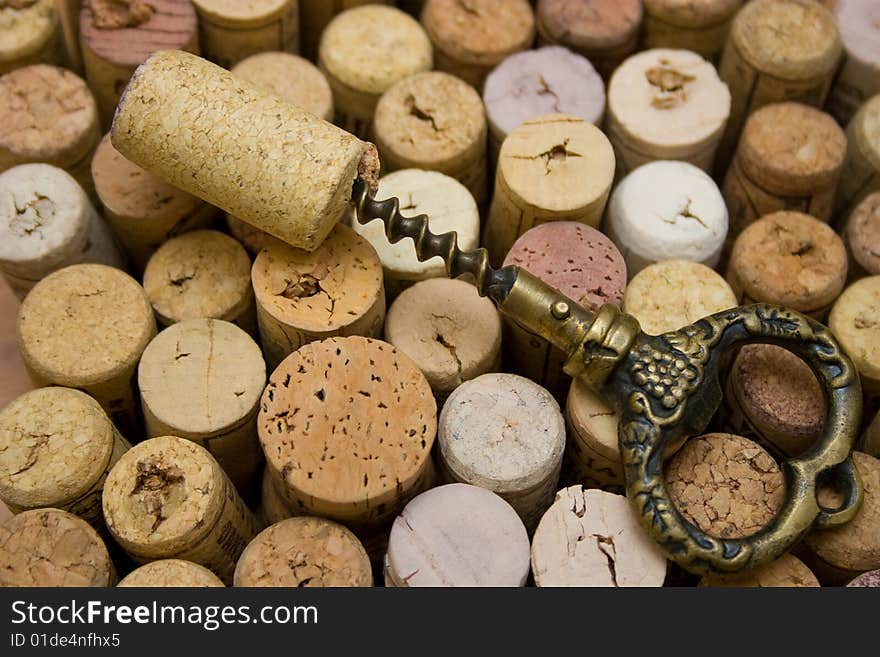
pixel 854 321
pixel 700 26
pixel 31 34
pixel 68 15
pixel 315 15
pixel 859 78
pixel 861 235
pixel 861 171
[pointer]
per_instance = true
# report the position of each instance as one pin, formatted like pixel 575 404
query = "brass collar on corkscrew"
pixel 666 388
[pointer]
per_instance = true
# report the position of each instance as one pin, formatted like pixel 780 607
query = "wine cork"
pixel 5 513
pixel 471 38
pixel 787 571
pixel 593 538
pixel 666 104
pixel 49 548
pixel 855 322
pixel 314 15
pixel 201 274
pixel 581 263
pixel 95 310
pixel 291 78
pixel 171 573
pixel 168 498
pixel 604 31
pixel 504 433
pixel 363 52
pixel 450 206
pixel 862 238
pixel 117 37
pixel 869 579
pixel 15 380
pixel 56 447
pixel 777 51
pixel 231 30
pixel 272 507
pixel 302 297
pixel 726 485
pixel 457 535
pixel 375 418
pixel 304 552
pixel 533 83
pixel 450 332
pixel 861 171
pixel 48 115
pixel 700 27
pixel 252 239
pixel 68 15
pixel 202 379
pixel 551 168
pixel 667 210
pixel 592 456
pixel 293 191
pixel 859 78
pixel 870 443
pixel 437 122
pixel 30 32
pixel 143 210
pixel 789 259
pixel 46 223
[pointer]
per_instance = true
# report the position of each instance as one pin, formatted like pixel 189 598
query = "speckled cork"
pixel 168 498
pixel 294 192
pixel 47 222
pixel 171 573
pixel 56 447
pixel 861 171
pixel 593 538
pixel 314 15
pixel 143 211
pixel 592 456
pixel 291 78
pixel 201 274
pixel 451 333
pixel 457 535
pixel 787 571
pixel 672 294
pixel 363 52
pixel 868 579
pixel 117 37
pixel 666 104
pixel 48 114
pixel 700 26
pixel 302 297
pixel 862 237
pixel 604 31
pixel 790 259
pixel 88 309
pixel 49 548
pixel 304 552
pixel 551 168
pixel 448 204
pixel 437 122
pixel 201 379
pixel 29 33
pixel 726 485
pixel 855 322
pixel 859 78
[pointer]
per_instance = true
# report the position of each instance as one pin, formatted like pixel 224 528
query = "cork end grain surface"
pixel 590 24
pixel 171 573
pixel 692 13
pixel 859 24
pixel 863 234
pixel 855 321
pixel 786 571
pixel 291 78
pixel 869 579
pixel 240 13
pixel 25 27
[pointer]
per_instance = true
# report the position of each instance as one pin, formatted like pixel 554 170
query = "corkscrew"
pixel 666 388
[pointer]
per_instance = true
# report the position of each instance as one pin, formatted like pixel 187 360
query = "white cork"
pixel 29 33
pixel 859 78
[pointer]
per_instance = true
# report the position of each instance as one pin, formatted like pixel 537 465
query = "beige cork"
pixel 68 15
pixel 272 507
pixel 347 426
pixel 859 76
pixel 167 497
pixel 551 168
pixel 592 456
pixel 5 513
pixel 201 274
pixel 870 443
pixel 862 237
pixel 457 535
pixel 861 171
pixel 787 571
pixel 291 78
pixel 304 552
pixel 697 25
pixel 232 30
pixel 29 33
pixel 47 222
pixel 726 485
pixel 48 114
pixel 315 15
pixel 363 52
pixel 49 548
pixel 117 37
pixel 471 38
pixel 171 573
pixel 303 297
pixel 56 447
pixel 666 104
pixel 593 538
pixel 201 379
pixel 504 433
pixel 297 189
pixel 671 294
pixel 451 333
pixel 434 121
pixel 144 211
pixel 789 259
pixel 94 311
pixel 252 239
pixel 855 322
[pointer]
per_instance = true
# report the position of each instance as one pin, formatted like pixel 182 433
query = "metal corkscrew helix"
pixel 666 388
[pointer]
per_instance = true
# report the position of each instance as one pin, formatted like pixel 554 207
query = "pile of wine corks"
pixel 187 399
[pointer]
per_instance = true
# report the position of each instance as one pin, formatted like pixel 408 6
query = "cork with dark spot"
pixel 787 571
pixel 861 171
pixel 726 485
pixel 592 456
pixel 304 552
pixel 789 259
pixel 315 15
pixel 862 237
pixel 168 498
pixel 700 26
pixel 347 425
pixel 171 573
pixel 29 34
pixel 49 548
pixel 869 579
pixel 855 322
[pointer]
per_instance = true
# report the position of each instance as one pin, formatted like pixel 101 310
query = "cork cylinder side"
pixel 861 171
pixel 31 34
pixel 701 26
pixel 861 235
pixel 592 456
